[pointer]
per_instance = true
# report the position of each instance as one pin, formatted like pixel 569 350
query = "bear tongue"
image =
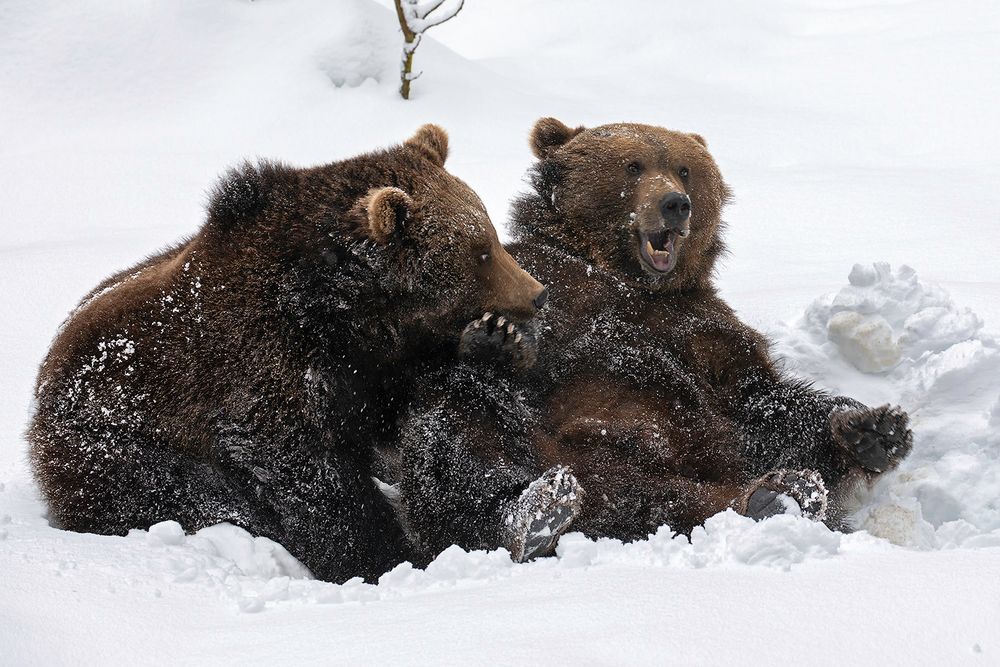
pixel 668 246
pixel 660 259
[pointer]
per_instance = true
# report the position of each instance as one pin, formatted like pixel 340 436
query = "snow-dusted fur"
pixel 667 408
pixel 248 374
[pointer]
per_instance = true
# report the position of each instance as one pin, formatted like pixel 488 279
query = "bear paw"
pixel 876 438
pixel 494 337
pixel 775 493
pixel 542 513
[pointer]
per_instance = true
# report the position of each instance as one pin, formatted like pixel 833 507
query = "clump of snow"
pixel 363 46
pixel 865 340
pixel 888 337
pixel 726 539
pixel 901 522
pixel 251 570
pixel 885 318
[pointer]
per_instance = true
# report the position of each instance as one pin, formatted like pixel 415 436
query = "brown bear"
pixel 248 373
pixel 663 404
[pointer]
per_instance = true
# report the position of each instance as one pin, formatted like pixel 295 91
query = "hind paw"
pixel 495 337
pixel 787 491
pixel 542 513
pixel 877 439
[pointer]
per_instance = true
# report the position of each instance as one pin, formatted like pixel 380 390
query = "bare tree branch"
pixel 414 20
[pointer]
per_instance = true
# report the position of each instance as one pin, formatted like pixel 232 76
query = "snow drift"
pixel 889 337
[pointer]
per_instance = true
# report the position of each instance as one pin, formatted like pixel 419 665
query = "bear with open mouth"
pixel 651 403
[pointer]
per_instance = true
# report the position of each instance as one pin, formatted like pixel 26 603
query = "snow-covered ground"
pixel 852 132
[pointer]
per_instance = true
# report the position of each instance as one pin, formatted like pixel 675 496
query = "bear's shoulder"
pixel 246 190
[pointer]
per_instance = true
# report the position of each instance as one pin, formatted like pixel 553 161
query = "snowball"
pixel 901 523
pixel 865 340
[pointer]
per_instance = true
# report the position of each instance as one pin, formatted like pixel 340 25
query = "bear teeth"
pixel 653 252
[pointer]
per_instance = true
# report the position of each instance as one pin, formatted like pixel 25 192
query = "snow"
pixel 888 336
pixel 854 134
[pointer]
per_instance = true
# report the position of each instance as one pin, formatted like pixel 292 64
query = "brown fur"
pixel 248 373
pixel 597 226
pixel 664 404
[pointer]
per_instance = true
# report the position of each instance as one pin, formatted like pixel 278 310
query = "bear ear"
pixel 550 133
pixel 432 141
pixel 700 139
pixel 387 209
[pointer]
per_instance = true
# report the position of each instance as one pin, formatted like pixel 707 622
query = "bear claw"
pixel 493 337
pixel 876 438
pixel 542 513
pixel 772 493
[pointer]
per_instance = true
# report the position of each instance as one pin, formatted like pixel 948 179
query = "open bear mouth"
pixel 659 249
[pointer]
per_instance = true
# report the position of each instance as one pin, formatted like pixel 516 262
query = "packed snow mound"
pixel 252 570
pixel 885 318
pixel 888 337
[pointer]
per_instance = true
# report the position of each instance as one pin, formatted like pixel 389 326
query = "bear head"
pixel 636 200
pixel 435 236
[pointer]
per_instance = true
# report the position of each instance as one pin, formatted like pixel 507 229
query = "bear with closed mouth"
pixel 250 373
pixel 651 403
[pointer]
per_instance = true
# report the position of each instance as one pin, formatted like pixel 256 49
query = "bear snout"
pixel 675 209
pixel 511 290
pixel 543 296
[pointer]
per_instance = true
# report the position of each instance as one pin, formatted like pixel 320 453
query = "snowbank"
pixel 254 573
pixel 888 337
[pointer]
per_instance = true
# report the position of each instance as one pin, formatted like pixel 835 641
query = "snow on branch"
pixel 422 19
pixel 415 18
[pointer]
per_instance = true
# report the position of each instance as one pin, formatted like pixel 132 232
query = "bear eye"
pixel 634 168
pixel 485 257
pixel 683 171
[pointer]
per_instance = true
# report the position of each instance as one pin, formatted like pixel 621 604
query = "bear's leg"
pixel 494 340
pixel 115 481
pixel 469 473
pixel 791 425
pixel 321 505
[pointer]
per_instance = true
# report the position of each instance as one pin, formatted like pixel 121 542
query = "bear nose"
pixel 542 297
pixel 675 208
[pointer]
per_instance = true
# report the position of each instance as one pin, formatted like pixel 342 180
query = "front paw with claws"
pixel 494 337
pixel 876 438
